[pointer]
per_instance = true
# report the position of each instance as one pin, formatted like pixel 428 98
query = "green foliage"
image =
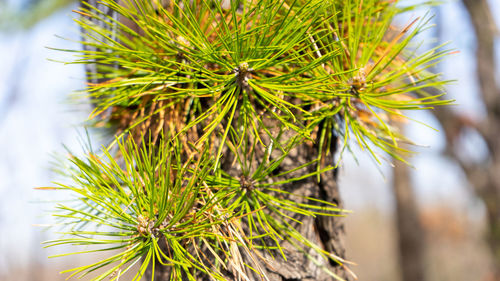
pixel 155 197
pixel 149 199
pixel 301 64
pixel 190 85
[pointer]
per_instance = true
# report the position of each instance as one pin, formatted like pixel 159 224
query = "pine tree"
pixel 228 121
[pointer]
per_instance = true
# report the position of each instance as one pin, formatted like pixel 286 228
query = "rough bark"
pixel 411 241
pixel 325 231
pixel 484 177
pixel 328 232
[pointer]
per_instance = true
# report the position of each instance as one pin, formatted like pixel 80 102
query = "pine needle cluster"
pixel 206 100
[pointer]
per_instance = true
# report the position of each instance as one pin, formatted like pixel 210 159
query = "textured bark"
pixel 325 231
pixel 484 177
pixel 411 241
pixel 328 232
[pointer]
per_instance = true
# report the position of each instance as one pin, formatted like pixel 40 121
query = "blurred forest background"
pixel 438 221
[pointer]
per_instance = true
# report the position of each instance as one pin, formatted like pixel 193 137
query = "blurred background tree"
pixel 484 173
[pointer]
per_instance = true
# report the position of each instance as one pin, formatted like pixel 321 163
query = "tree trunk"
pixel 411 241
pixel 327 232
pixel 489 190
pixel 484 177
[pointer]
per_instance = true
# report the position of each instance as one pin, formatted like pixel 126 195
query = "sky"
pixel 37 118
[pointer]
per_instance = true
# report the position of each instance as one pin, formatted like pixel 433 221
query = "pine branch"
pixel 208 102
